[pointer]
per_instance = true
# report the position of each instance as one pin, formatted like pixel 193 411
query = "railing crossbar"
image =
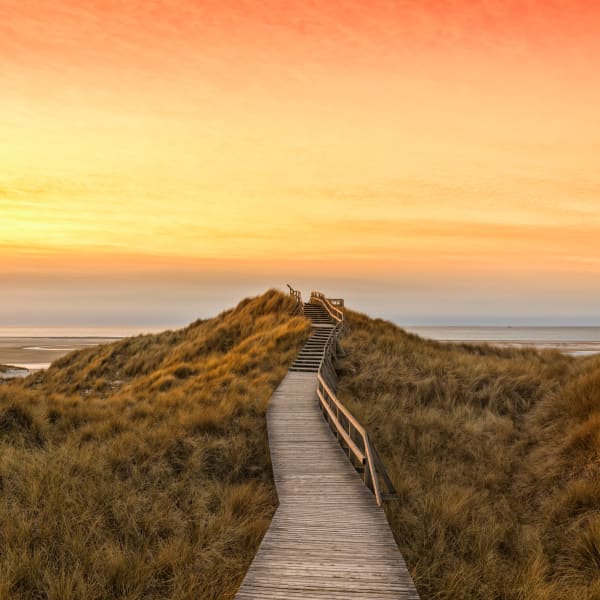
pixel 359 428
pixel 334 420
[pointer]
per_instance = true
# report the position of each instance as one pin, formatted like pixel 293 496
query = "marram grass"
pixel 495 454
pixel 140 469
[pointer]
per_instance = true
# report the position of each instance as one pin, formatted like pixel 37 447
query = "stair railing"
pixel 333 311
pixel 351 435
pixel 297 295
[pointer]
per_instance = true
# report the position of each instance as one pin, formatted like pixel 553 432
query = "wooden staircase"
pixel 309 359
pixel 318 315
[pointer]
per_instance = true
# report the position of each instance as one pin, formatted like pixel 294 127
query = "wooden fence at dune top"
pixel 329 537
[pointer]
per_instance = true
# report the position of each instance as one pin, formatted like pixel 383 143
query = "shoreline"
pixel 571 348
pixel 35 353
pixel 13 372
pixel 575 341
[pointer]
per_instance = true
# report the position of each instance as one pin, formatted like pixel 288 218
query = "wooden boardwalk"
pixel 328 537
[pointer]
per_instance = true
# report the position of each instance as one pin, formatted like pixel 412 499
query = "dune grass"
pixel 495 454
pixel 140 469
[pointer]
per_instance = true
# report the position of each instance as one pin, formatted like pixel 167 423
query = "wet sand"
pixel 34 353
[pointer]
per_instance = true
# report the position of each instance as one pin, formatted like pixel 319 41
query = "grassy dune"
pixel 496 457
pixel 140 469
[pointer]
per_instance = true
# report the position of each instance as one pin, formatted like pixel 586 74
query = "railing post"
pixel 367 477
pixel 297 295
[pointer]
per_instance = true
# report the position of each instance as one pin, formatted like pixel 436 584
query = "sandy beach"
pixel 35 353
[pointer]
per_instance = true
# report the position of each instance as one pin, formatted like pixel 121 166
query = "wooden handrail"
pixel 353 434
pixel 342 408
pixel 297 295
pixel 348 430
pixel 333 311
pixel 358 453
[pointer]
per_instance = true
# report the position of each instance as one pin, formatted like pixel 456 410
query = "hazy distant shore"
pixel 572 348
pixel 576 341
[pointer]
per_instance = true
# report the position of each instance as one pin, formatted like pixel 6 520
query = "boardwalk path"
pixel 328 538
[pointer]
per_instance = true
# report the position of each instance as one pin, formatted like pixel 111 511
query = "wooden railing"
pixel 297 295
pixel 332 310
pixel 352 436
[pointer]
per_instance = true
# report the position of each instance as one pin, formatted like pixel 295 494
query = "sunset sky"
pixel 432 161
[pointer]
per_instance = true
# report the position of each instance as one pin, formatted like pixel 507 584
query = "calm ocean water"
pixel 35 349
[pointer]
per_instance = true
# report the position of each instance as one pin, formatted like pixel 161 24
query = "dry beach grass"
pixel 140 469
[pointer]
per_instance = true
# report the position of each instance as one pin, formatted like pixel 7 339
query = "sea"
pixel 32 349
pixel 576 341
pixel 29 349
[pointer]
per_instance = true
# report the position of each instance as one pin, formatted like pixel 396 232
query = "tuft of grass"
pixel 495 454
pixel 140 469
pixel 18 427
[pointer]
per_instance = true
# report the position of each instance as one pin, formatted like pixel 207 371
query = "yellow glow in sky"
pixel 383 145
